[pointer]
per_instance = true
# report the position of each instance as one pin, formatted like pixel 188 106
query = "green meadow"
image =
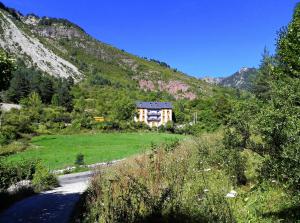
pixel 59 151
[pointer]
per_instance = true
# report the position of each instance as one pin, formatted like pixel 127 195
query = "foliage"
pixel 14 147
pixel 7 66
pixel 25 81
pixel 187 183
pixel 163 186
pixel 270 124
pixel 13 172
pixel 79 159
pixel 43 179
pixel 261 84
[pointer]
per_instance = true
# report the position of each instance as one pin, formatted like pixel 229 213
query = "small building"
pixel 154 114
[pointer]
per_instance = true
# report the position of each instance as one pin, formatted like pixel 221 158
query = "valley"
pixel 91 133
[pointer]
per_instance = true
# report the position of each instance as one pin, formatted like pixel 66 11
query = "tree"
pixel 19 86
pixel 7 66
pixel 46 89
pixel 280 120
pixel 63 94
pixel 275 123
pixel 261 84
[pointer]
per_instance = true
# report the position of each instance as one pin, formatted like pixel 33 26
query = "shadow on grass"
pixel 44 208
pixel 291 214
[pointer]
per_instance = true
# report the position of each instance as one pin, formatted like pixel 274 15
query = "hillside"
pixel 62 49
pixel 241 79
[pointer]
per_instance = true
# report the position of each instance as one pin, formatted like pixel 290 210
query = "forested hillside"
pixel 72 77
pixel 49 50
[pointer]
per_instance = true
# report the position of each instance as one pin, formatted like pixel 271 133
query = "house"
pixel 154 114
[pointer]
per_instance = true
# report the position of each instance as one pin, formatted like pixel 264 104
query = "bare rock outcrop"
pixel 22 44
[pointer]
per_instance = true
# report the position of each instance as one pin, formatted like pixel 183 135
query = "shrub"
pixel 14 147
pixel 11 173
pixel 43 179
pixel 79 159
pixel 7 134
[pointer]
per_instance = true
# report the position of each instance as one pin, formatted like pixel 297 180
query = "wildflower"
pixel 206 170
pixel 205 190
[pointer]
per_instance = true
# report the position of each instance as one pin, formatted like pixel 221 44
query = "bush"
pixel 43 179
pixel 14 147
pixel 79 159
pixel 11 173
pixel 7 134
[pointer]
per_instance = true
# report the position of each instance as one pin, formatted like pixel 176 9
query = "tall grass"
pixel 185 182
pixel 168 184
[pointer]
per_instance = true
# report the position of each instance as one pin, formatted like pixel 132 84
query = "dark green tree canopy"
pixel 7 66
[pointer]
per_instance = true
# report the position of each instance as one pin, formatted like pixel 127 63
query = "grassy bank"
pixel 59 151
pixel 188 182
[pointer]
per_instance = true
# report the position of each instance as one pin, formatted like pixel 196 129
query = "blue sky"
pixel 199 37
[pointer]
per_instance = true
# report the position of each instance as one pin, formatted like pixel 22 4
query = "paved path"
pixel 51 206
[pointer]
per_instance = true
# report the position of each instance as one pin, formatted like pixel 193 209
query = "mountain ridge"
pixel 61 48
pixel 241 79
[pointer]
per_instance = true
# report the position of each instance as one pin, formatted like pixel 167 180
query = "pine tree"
pixel 19 87
pixel 7 65
pixel 261 84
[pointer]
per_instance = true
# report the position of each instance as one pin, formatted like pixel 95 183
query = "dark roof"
pixel 154 105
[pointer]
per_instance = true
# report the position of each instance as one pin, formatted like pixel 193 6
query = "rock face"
pixel 240 80
pixel 178 89
pixel 20 43
pixel 213 80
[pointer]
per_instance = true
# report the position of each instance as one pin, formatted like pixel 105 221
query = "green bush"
pixel 7 134
pixel 43 179
pixel 79 159
pixel 11 173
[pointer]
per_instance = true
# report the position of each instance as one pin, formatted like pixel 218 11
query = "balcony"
pixel 154 113
pixel 153 118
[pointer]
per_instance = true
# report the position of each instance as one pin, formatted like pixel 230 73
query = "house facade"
pixel 154 114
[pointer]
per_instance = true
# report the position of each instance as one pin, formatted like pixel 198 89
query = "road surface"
pixel 50 206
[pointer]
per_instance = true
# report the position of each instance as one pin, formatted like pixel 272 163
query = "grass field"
pixel 59 151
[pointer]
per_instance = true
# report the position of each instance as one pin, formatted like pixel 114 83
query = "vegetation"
pixel 188 183
pixel 257 160
pixel 269 123
pixel 42 179
pixel 6 67
pixel 59 151
pixel 247 169
pixel 14 173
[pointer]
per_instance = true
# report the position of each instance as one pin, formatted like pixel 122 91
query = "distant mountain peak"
pixel 241 79
pixel 244 69
pixel 213 80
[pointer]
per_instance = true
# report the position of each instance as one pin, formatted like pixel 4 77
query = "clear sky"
pixel 199 37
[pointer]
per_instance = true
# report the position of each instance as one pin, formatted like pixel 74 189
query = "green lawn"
pixel 59 151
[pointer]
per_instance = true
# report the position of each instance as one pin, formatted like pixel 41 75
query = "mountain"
pixel 241 79
pixel 213 80
pixel 63 49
